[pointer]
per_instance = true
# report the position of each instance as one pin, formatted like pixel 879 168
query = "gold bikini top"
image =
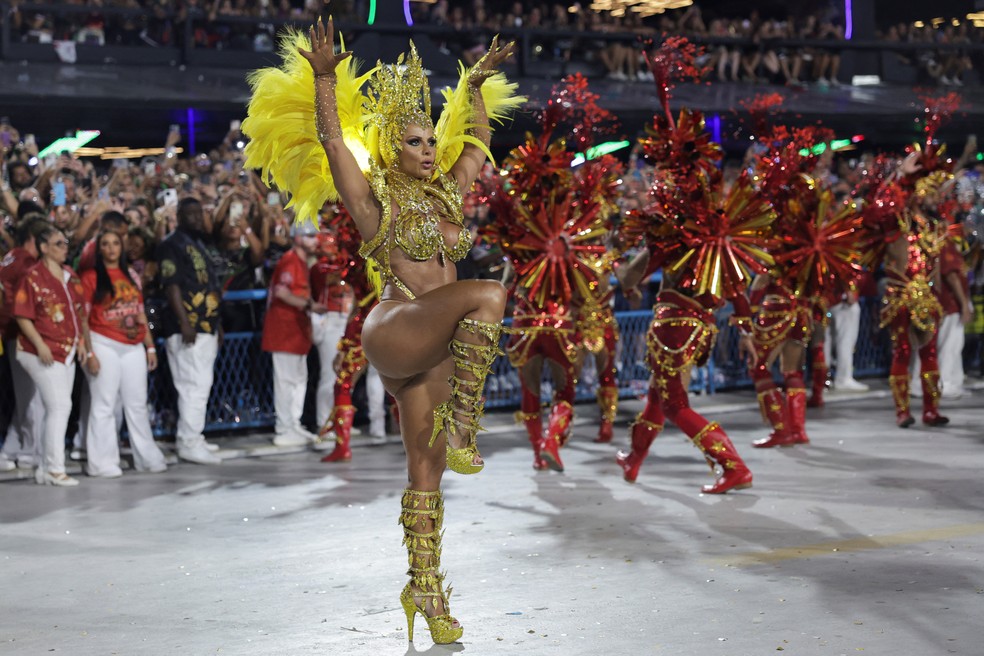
pixel 416 230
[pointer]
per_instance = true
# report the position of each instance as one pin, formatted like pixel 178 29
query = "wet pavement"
pixel 868 540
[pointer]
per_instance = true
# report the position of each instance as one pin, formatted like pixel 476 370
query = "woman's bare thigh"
pixel 404 338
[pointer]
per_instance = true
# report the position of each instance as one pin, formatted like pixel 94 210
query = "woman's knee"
pixel 494 294
pixel 490 297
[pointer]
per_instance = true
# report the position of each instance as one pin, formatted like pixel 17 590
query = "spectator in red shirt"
pixel 125 352
pixel 53 334
pixel 287 335
pixel 22 442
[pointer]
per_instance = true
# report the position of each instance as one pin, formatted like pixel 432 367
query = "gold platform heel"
pixel 422 517
pixel 461 413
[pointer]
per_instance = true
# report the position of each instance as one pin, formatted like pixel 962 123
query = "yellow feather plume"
pixel 281 127
pixel 458 115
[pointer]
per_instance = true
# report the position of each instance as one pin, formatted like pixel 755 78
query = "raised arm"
pixel 351 183
pixel 469 164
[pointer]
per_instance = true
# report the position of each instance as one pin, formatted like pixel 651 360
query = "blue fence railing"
pixel 242 395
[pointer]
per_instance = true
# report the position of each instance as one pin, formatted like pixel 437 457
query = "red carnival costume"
pixel 911 304
pixel 903 218
pixel 708 245
pixel 352 268
pixel 551 219
pixel 817 241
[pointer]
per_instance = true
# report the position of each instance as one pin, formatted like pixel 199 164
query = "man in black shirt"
pixel 193 288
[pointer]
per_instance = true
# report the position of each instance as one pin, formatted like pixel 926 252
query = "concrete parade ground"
pixel 867 541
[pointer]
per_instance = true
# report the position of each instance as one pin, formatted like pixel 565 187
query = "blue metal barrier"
pixel 242 395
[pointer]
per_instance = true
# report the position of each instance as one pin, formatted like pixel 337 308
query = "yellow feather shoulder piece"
pixel 280 125
pixel 458 116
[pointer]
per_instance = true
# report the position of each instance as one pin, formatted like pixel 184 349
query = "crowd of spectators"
pixel 158 241
pixel 796 49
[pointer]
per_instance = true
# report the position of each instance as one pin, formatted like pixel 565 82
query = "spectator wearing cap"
pixel 287 335
pixel 190 278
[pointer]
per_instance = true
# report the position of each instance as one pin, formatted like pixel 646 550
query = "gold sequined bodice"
pixel 416 230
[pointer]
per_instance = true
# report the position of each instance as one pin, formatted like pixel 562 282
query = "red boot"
pixel 714 442
pixel 819 384
pixel 796 408
pixel 900 393
pixel 558 432
pixel 605 430
pixel 340 423
pixel 931 399
pixel 534 430
pixel 608 403
pixel 773 405
pixel 643 433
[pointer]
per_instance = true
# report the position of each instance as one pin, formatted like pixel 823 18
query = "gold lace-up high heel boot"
pixel 460 414
pixel 422 517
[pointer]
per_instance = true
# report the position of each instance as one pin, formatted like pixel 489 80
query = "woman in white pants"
pixel 53 334
pixel 125 352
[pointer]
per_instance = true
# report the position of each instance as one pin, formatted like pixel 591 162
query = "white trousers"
pixel 290 377
pixel 846 326
pixel 376 396
pixel 326 330
pixel 192 370
pixel 122 377
pixel 949 347
pixel 24 433
pixel 54 385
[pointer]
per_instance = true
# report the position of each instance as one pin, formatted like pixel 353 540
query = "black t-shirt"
pixel 187 262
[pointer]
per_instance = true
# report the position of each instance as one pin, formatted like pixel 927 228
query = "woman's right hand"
pixel 322 55
pixel 44 355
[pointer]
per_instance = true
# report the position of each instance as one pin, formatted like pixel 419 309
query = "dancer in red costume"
pixel 350 362
pixel 708 246
pixel 911 309
pixel 904 217
pixel 551 220
pixel 817 246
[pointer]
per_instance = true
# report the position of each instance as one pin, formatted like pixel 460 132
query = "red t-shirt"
pixel 55 306
pixel 119 317
pixel 13 268
pixel 287 329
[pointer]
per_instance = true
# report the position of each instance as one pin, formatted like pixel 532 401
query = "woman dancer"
pixel 432 338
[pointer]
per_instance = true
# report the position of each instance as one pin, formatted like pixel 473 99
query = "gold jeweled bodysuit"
pixel 416 230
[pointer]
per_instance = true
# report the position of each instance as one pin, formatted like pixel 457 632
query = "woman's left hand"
pixel 490 62
pixel 151 361
pixel 93 364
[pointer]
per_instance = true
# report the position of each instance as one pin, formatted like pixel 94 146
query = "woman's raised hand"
pixel 322 55
pixel 490 62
